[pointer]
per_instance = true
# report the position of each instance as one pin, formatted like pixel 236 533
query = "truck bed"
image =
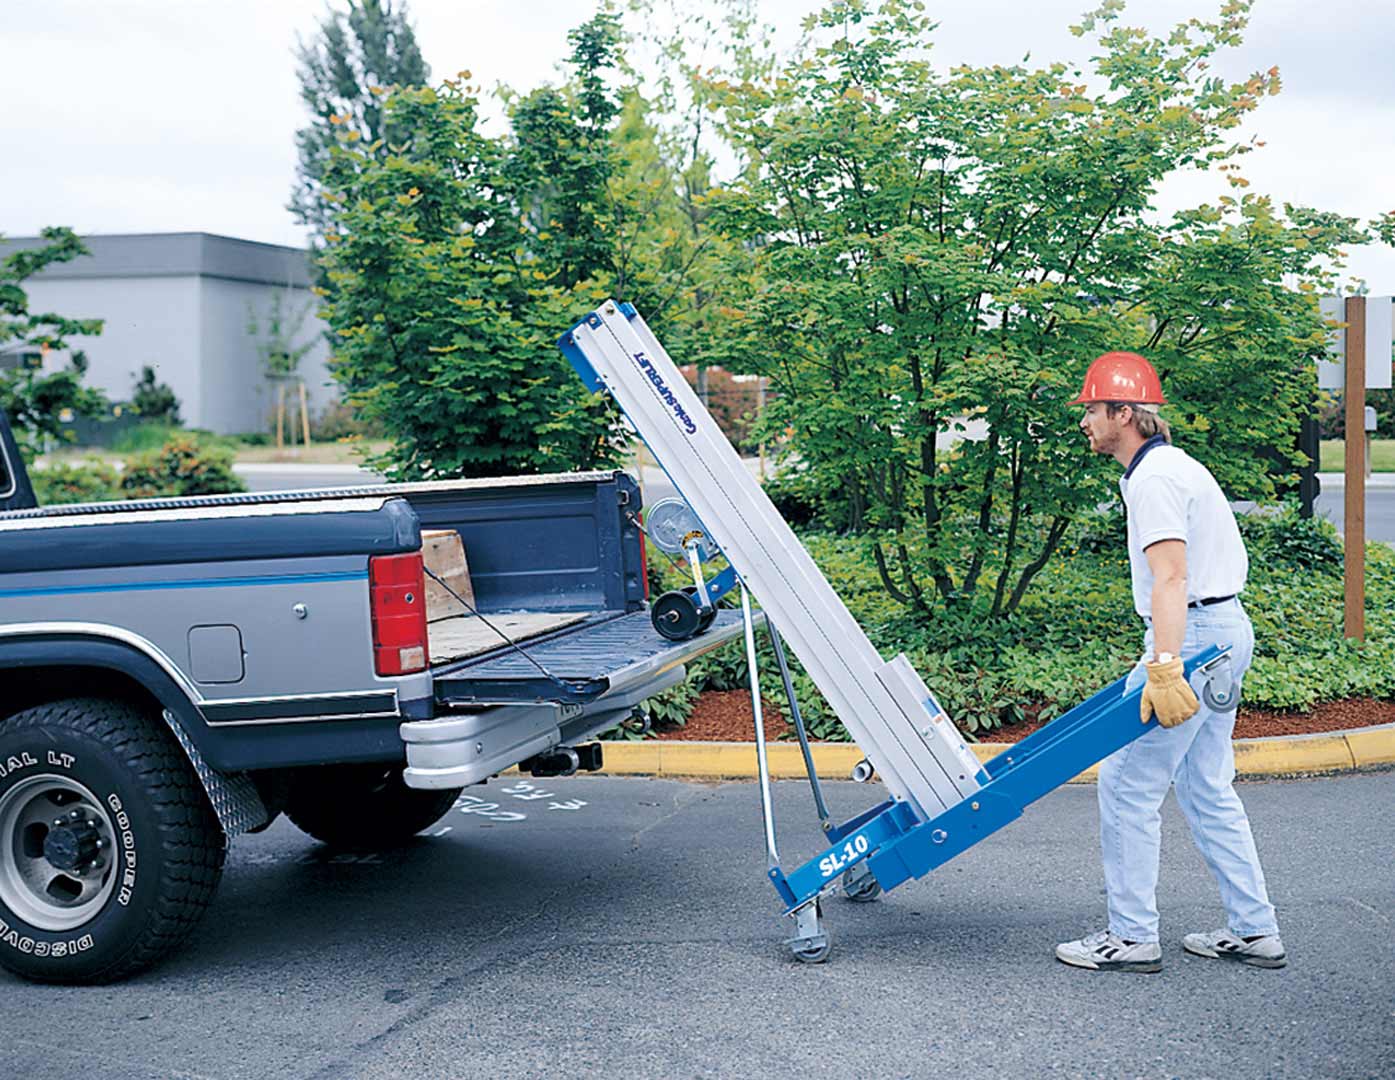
pixel 605 652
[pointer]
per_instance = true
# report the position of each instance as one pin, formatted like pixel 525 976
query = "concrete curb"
pixel 1284 755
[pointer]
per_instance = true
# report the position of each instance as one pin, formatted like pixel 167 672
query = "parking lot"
pixel 623 927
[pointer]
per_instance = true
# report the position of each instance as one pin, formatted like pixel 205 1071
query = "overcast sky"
pixel 179 115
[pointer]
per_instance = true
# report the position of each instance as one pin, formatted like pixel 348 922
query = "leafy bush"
pixel 668 709
pixel 1285 540
pixel 1076 630
pixel 92 480
pixel 340 420
pixel 155 400
pixel 796 495
pixel 183 466
pixel 673 707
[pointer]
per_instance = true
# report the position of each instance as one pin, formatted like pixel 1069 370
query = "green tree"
pixel 667 259
pixel 444 316
pixel 276 331
pixel 345 70
pixel 562 160
pixel 921 250
pixel 34 400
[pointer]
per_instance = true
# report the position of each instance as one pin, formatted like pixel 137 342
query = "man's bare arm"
pixel 1168 561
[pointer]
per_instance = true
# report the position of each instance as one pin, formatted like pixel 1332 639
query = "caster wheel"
pixel 1220 702
pixel 705 618
pixel 812 954
pixel 860 888
pixel 676 616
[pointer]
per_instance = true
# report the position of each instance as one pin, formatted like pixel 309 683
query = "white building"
pixel 182 303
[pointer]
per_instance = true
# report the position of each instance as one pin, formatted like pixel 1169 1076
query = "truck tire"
pixel 363 807
pixel 109 849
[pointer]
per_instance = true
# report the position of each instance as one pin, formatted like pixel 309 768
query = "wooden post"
pixel 304 415
pixel 1355 527
pixel 280 415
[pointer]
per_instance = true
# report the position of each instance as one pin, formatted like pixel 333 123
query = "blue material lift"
pixel 942 800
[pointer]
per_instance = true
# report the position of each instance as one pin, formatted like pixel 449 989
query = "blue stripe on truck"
pixel 197 583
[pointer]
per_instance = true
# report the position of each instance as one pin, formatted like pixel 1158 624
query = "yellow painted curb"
pixel 1283 755
pixel 1372 746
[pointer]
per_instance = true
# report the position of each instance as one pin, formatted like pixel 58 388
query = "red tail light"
pixel 397 599
pixel 643 556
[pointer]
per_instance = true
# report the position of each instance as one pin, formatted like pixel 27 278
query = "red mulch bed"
pixel 725 716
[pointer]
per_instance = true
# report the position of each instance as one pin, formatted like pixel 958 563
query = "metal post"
pixel 766 808
pixel 1310 444
pixel 1355 517
pixel 814 784
pixel 695 564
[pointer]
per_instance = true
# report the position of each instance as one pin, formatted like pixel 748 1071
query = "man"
pixel 1188 566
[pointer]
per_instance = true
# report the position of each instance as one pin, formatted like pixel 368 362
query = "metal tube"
pixel 814 784
pixel 767 810
pixel 703 602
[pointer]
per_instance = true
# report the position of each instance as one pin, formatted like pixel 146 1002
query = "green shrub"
pixel 1076 630
pixel 797 498
pixel 340 420
pixel 92 480
pixel 667 709
pixel 155 400
pixel 182 466
pixel 672 707
pixel 1284 540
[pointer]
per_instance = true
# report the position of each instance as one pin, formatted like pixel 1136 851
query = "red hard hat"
pixel 1121 376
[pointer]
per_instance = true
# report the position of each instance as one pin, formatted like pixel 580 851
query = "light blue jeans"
pixel 1197 758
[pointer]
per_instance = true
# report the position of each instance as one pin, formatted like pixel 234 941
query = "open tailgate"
pixel 607 653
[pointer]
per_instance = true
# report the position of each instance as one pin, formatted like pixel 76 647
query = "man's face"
pixel 1103 431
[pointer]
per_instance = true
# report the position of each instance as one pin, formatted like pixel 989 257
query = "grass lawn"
pixel 1382 455
pixel 320 453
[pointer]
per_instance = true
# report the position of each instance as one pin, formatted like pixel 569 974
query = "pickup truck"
pixel 174 672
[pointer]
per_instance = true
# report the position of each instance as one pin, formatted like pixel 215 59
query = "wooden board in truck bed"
pixel 462 636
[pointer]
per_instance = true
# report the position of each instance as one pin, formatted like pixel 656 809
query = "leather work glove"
pixel 1167 694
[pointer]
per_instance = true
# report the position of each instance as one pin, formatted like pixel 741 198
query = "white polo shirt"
pixel 1171 496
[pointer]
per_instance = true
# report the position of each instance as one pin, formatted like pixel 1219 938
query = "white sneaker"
pixel 1106 951
pixel 1265 952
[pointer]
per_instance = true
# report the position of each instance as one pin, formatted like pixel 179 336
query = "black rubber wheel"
pixel 675 615
pixel 705 617
pixel 109 849
pixel 363 807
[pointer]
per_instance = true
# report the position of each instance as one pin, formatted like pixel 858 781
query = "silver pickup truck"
pixel 174 672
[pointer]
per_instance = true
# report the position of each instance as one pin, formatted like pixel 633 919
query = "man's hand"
pixel 1167 694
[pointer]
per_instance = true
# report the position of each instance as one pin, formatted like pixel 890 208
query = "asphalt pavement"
pixel 606 927
pixel 1380 504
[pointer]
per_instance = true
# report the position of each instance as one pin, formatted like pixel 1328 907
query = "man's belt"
pixel 1211 600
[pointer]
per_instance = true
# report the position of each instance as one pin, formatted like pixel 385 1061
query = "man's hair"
pixel 1145 419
